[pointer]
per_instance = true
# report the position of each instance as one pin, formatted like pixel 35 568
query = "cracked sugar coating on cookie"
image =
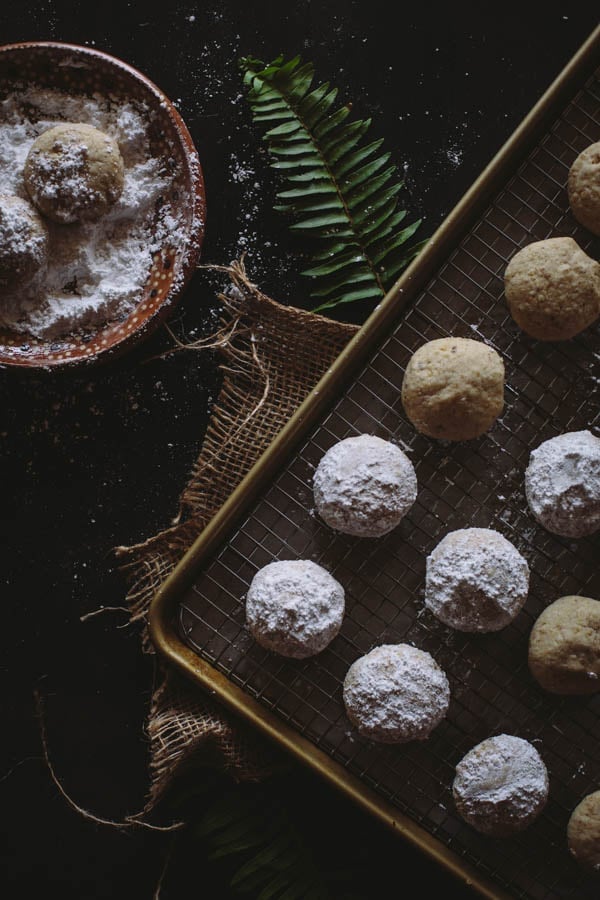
pixel 74 173
pixel 583 188
pixel 562 484
pixel 364 486
pixel 501 785
pixel 583 832
pixel 476 580
pixel 396 693
pixel 453 388
pixel 552 289
pixel 294 607
pixel 23 242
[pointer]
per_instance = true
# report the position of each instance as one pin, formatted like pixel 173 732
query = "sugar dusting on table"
pixel 96 270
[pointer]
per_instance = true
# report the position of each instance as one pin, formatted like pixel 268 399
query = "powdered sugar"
pixel 294 607
pixel 562 484
pixel 476 580
pixel 501 785
pixel 396 693
pixel 97 269
pixel 364 486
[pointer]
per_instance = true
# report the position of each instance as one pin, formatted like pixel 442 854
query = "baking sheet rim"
pixel 163 635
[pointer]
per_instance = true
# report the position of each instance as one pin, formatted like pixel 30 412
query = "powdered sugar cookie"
pixel 562 484
pixel 294 607
pixel 501 785
pixel 74 172
pixel 476 580
pixel 396 693
pixel 364 486
pixel 23 242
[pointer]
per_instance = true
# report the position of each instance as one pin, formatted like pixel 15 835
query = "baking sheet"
pixel 551 388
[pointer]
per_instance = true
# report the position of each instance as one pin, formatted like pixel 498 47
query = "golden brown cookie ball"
pixel 583 188
pixel 453 388
pixel 552 289
pixel 74 173
pixel 23 242
pixel 564 646
pixel 583 832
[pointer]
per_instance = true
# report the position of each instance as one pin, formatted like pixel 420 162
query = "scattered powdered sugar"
pixel 562 484
pixel 501 785
pixel 294 607
pixel 396 693
pixel 364 486
pixel 96 270
pixel 476 580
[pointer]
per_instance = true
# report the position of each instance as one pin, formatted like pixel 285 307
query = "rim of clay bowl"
pixel 168 274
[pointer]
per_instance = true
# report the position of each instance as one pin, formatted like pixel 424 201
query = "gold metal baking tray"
pixel 454 287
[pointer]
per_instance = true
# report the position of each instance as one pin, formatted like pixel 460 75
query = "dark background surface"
pixel 98 459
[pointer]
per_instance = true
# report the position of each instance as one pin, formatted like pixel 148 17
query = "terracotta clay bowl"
pixel 79 70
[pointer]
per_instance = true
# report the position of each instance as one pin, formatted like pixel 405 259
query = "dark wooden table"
pixel 98 459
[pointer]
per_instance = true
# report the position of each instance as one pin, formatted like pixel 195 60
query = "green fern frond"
pixel 341 193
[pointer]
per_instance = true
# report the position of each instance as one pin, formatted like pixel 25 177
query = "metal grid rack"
pixel 550 388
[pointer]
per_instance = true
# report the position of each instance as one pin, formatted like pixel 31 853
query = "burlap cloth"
pixel 271 357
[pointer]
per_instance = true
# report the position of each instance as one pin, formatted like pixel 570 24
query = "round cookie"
pixel 396 693
pixel 564 646
pixel 583 188
pixel 501 785
pixel 364 486
pixel 476 580
pixel 583 832
pixel 23 242
pixel 552 289
pixel 294 608
pixel 562 484
pixel 453 388
pixel 74 173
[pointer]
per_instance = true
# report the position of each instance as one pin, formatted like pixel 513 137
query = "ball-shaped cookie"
pixel 476 580
pixel 583 188
pixel 564 646
pixel 453 388
pixel 562 484
pixel 583 832
pixel 364 486
pixel 396 693
pixel 501 785
pixel 74 173
pixel 23 242
pixel 294 607
pixel 552 289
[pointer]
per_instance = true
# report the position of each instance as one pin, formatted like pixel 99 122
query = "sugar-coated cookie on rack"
pixel 453 388
pixel 562 484
pixel 564 646
pixel 501 785
pixel 294 607
pixel 552 289
pixel 364 486
pixel 583 832
pixel 583 187
pixel 476 580
pixel 396 693
pixel 74 172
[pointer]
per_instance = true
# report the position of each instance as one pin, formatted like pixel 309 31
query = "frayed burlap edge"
pixel 272 356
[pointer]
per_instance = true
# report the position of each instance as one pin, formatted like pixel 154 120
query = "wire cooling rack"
pixel 550 389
